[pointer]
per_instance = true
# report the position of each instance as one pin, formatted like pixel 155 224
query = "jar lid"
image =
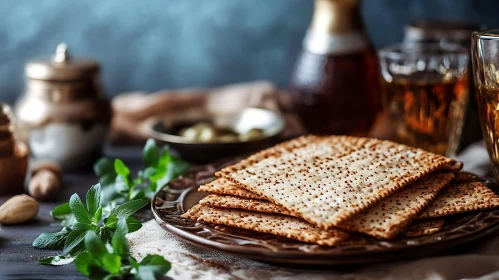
pixel 437 29
pixel 61 67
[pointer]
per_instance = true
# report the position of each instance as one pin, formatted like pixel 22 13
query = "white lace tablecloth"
pixel 191 262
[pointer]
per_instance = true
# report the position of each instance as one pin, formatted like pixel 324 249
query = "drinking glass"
pixel 425 92
pixel 485 58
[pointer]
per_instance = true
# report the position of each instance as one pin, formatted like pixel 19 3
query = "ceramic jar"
pixel 63 114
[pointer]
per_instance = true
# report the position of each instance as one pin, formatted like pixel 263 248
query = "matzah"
pixel 327 180
pixel 280 225
pixel 454 167
pixel 465 177
pixel 222 186
pixel 384 220
pixel 425 227
pixel 389 217
pixel 461 197
pixel 225 201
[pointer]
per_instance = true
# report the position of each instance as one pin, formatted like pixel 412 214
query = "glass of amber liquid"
pixel 485 58
pixel 425 92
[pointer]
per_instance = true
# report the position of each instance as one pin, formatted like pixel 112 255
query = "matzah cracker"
pixel 193 213
pixel 389 217
pixel 453 167
pixel 224 201
pixel 222 186
pixel 280 225
pixel 461 197
pixel 425 227
pixel 384 220
pixel 327 180
pixel 465 177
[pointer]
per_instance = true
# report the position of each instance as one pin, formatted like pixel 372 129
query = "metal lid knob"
pixel 61 54
pixel 62 67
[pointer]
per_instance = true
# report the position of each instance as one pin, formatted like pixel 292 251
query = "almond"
pixel 18 209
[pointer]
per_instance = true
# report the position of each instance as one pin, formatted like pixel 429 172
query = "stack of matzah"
pixel 320 189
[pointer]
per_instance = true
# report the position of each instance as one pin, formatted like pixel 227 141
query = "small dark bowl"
pixel 269 122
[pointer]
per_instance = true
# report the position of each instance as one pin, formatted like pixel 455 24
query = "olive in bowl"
pixel 217 136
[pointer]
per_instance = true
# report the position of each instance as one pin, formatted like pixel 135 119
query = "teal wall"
pixel 155 44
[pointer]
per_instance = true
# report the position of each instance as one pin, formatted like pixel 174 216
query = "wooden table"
pixel 18 259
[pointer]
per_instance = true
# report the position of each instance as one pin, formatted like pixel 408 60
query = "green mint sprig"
pixel 86 219
pixel 119 185
pixel 93 234
pixel 114 262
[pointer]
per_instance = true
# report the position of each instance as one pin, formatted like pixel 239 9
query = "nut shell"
pixel 44 184
pixel 18 209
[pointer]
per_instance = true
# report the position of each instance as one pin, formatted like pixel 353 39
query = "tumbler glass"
pixel 425 93
pixel 485 58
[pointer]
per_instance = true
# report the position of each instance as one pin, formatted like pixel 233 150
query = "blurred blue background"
pixel 156 44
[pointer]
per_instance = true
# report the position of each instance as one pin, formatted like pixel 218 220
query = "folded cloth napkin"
pixel 135 113
pixel 191 262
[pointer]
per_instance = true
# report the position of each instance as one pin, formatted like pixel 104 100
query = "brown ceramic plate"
pixel 182 194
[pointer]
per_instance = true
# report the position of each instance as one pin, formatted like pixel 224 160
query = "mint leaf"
pixel 152 265
pixel 120 168
pixel 133 224
pixel 111 221
pixel 128 208
pixel 93 199
pixel 176 168
pixel 57 260
pixel 119 242
pixel 78 209
pixel 74 239
pixel 61 212
pixel 82 226
pixel 164 158
pixel 107 180
pixel 83 262
pixel 133 262
pixel 94 245
pixel 111 262
pixel 103 167
pixel 52 241
pixel 137 194
pixel 98 215
pixel 150 153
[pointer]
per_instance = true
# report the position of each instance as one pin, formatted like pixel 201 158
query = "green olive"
pixel 207 134
pixel 228 138
pixel 189 132
pixel 252 134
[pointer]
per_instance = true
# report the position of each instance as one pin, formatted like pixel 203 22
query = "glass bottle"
pixel 334 87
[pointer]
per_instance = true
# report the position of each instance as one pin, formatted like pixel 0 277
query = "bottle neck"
pixel 336 28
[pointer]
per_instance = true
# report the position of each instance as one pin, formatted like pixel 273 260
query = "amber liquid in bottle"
pixel 334 87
